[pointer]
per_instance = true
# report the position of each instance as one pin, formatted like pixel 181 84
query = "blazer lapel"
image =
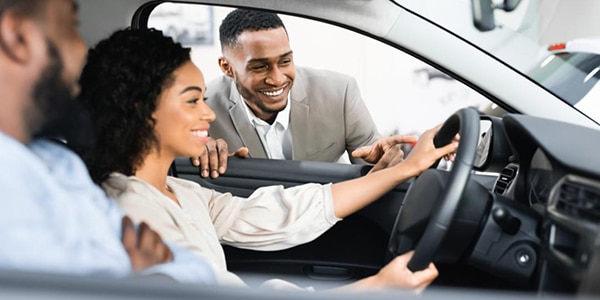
pixel 243 126
pixel 299 115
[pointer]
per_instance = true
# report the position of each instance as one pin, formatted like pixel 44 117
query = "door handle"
pixel 328 273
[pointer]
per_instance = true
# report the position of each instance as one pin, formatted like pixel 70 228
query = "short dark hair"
pixel 240 20
pixel 22 7
pixel 120 85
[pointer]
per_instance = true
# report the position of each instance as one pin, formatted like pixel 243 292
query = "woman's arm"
pixel 352 195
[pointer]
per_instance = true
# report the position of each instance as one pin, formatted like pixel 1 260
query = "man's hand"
pixel 214 160
pixel 144 247
pixel 385 152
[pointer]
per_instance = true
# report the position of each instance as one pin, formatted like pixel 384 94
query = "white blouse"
pixel 271 218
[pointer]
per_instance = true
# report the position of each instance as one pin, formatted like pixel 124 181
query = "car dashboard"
pixel 554 171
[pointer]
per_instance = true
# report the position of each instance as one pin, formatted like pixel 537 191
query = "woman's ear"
pixel 225 66
pixel 15 36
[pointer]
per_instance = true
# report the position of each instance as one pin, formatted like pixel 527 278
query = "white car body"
pixel 589 50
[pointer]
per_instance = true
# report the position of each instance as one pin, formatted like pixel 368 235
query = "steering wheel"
pixel 433 198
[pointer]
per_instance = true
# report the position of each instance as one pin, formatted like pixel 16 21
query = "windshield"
pixel 524 35
pixel 571 76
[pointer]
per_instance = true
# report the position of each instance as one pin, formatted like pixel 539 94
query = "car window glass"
pixel 524 36
pixel 570 75
pixel 403 94
pixel 189 24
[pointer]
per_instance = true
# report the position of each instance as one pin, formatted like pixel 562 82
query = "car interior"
pixel 516 214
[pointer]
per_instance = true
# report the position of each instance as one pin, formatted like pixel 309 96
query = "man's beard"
pixel 56 113
pixel 246 94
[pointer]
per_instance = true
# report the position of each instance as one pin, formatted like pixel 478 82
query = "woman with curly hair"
pixel 146 100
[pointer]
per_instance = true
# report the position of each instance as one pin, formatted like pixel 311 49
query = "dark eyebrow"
pixel 75 6
pixel 266 59
pixel 191 88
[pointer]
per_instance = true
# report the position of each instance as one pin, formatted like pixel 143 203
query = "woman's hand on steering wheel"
pixel 425 154
pixel 397 274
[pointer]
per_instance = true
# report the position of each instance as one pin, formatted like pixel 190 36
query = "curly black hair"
pixel 120 85
pixel 240 20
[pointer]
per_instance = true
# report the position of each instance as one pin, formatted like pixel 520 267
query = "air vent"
pixel 506 177
pixel 579 201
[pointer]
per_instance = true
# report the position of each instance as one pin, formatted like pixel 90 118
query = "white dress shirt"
pixel 276 138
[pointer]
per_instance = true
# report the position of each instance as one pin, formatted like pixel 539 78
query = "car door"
pixel 353 248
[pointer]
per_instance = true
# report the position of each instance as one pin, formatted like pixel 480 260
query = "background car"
pixel 552 249
pixel 571 72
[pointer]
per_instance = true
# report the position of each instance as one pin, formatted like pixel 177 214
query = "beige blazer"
pixel 328 117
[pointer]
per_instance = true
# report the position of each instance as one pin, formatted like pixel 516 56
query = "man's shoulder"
pixel 219 86
pixel 323 87
pixel 315 74
pixel 10 148
pixel 55 153
pixel 44 167
pixel 218 92
pixel 40 152
pixel 18 166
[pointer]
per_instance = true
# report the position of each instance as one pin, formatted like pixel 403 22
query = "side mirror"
pixel 493 149
pixel 483 146
pixel 483 12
